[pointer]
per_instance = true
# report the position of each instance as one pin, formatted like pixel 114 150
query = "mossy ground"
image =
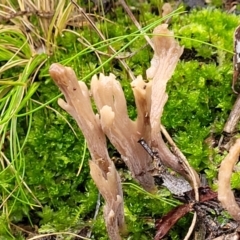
pixel 200 99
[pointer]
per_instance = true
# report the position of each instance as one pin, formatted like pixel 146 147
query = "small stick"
pixel 177 186
pixel 147 148
pixel 233 118
pixel 188 168
pixel 236 58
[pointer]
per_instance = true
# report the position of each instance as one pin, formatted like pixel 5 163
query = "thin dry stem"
pixel 132 17
pixel 166 55
pixel 193 176
pixel 129 71
pixel 233 118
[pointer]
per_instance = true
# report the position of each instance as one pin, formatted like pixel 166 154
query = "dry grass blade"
pixel 44 7
pixel 131 75
pixel 49 17
pixel 132 17
pixel 193 175
pixel 188 168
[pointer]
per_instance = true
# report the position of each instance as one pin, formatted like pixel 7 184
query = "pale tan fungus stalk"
pixel 78 105
pixel 120 129
pixel 113 213
pixel 225 194
pixel 142 94
pixel 166 55
pixel 166 9
pixel 102 170
pixel 167 52
pixel 150 99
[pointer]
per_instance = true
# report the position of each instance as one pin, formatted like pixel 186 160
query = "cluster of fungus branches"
pixel 112 121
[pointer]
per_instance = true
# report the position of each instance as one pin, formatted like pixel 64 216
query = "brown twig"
pixel 233 118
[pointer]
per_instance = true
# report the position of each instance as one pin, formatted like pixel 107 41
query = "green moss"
pixel 235 180
pixel 200 99
pixel 99 228
pixel 53 157
pixel 211 26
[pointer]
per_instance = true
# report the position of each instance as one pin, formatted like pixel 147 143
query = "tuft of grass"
pixel 27 38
